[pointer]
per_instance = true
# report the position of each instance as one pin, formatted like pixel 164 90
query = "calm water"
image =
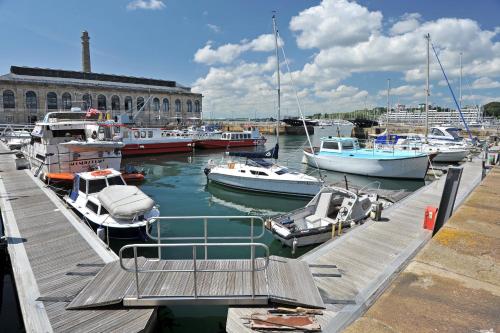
pixel 179 186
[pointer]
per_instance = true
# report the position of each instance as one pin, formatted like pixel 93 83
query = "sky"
pixel 340 53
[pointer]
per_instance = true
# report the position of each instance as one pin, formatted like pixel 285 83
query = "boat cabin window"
pixel 125 133
pixel 436 131
pixel 96 185
pixel 258 173
pixel 92 206
pixel 331 145
pixel 281 171
pixel 150 134
pixel 143 134
pixel 103 211
pixel 242 171
pixel 83 185
pixel 347 145
pixel 453 132
pixel 80 133
pixel 115 180
pixel 136 134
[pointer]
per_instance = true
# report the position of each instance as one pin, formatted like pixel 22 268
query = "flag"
pixel 91 112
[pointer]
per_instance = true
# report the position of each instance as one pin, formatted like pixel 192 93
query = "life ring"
pixel 100 173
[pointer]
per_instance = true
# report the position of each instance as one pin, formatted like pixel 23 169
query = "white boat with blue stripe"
pixel 345 155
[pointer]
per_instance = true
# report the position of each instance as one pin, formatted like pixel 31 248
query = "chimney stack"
pixel 85 52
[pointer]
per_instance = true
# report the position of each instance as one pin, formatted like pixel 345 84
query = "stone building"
pixel 27 94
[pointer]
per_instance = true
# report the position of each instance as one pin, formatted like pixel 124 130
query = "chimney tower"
pixel 85 52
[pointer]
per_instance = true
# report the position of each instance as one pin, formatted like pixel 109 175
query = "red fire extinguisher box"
pixel 430 217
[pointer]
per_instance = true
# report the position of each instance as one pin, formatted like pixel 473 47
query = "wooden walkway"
pixel 370 256
pixel 53 257
pixel 285 281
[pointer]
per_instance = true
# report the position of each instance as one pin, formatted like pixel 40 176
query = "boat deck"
pixel 369 257
pixel 53 257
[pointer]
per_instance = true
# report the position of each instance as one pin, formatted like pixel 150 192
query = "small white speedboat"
pixel 312 224
pixel 17 139
pixel 105 202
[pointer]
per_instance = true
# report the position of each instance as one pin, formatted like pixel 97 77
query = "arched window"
pixel 115 103
pixel 166 105
pixel 9 100
pixel 128 103
pixel 189 106
pixel 140 103
pixel 31 101
pixel 156 104
pixel 52 101
pixel 86 102
pixel 177 105
pixel 197 106
pixel 66 101
pixel 101 102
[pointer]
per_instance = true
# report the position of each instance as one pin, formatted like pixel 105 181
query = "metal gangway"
pixel 7 130
pixel 201 277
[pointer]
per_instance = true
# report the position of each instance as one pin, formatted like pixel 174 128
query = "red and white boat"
pixel 231 139
pixel 146 141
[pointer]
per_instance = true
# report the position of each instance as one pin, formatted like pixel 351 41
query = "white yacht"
pixel 312 224
pixel 66 142
pixel 105 202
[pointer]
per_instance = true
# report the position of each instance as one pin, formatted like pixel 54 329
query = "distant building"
pixel 403 115
pixel 27 94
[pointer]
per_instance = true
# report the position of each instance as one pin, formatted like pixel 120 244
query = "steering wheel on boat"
pixel 343 211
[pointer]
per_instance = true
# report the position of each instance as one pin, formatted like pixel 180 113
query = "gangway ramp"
pixel 223 281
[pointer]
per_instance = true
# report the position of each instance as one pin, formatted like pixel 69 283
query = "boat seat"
pixel 322 208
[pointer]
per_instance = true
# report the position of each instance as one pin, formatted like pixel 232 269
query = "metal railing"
pixel 195 270
pixel 252 237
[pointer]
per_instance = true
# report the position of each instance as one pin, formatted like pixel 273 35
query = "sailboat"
pixel 256 172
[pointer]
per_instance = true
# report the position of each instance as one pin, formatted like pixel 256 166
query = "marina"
pixel 257 169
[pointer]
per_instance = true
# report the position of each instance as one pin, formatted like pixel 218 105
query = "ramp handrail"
pixel 195 269
pixel 205 236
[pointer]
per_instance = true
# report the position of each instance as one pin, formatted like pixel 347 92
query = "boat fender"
pixel 101 234
pixel 294 245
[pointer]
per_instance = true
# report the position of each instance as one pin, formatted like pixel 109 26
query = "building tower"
pixel 85 52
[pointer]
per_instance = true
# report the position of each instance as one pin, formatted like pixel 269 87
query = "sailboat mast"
pixel 277 79
pixel 460 97
pixel 427 92
pixel 388 107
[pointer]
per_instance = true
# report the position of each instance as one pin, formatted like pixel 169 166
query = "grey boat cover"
pixel 125 202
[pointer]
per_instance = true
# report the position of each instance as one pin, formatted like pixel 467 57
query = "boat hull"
pixel 221 144
pixel 300 189
pixel 157 148
pixel 450 156
pixel 127 233
pixel 312 237
pixel 404 168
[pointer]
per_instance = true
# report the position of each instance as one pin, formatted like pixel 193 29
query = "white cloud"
pixel 227 53
pixel 485 83
pixel 409 22
pixel 146 4
pixel 334 22
pixel 213 27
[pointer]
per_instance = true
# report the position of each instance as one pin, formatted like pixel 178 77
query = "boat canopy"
pixel 271 153
pixel 125 202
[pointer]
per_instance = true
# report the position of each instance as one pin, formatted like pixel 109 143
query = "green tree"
pixel 492 109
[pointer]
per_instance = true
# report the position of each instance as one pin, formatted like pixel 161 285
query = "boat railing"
pixel 205 238
pixel 254 263
pixel 8 130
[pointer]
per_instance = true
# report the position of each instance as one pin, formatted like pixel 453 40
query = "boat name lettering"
pixel 86 162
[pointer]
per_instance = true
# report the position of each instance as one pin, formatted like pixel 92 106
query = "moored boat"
pixel 109 206
pixel 226 140
pixel 345 155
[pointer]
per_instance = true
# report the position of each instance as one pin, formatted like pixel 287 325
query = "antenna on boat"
pixel 275 29
pixel 427 91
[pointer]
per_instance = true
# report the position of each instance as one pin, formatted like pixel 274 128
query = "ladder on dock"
pixel 258 280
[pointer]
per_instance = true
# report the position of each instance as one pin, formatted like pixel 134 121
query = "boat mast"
pixel 427 92
pixel 277 79
pixel 460 97
pixel 388 107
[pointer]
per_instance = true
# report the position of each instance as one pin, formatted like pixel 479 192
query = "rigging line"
pixel 292 82
pixel 451 90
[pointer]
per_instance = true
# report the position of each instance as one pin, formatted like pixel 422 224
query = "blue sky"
pixel 341 51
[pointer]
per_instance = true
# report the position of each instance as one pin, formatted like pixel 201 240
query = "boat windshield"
pixel 454 132
pixel 96 185
pixel 281 171
pixel 115 180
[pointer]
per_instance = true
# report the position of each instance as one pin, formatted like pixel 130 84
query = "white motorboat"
pixel 108 205
pixel 260 175
pixel 312 224
pixel 345 155
pixel 17 139
pixel 70 142
pixel 445 152
pixel 257 174
pixel 336 127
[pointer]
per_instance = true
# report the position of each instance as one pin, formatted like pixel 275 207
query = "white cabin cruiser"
pixel 105 202
pixel 70 142
pixel 445 152
pixel 17 139
pixel 312 224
